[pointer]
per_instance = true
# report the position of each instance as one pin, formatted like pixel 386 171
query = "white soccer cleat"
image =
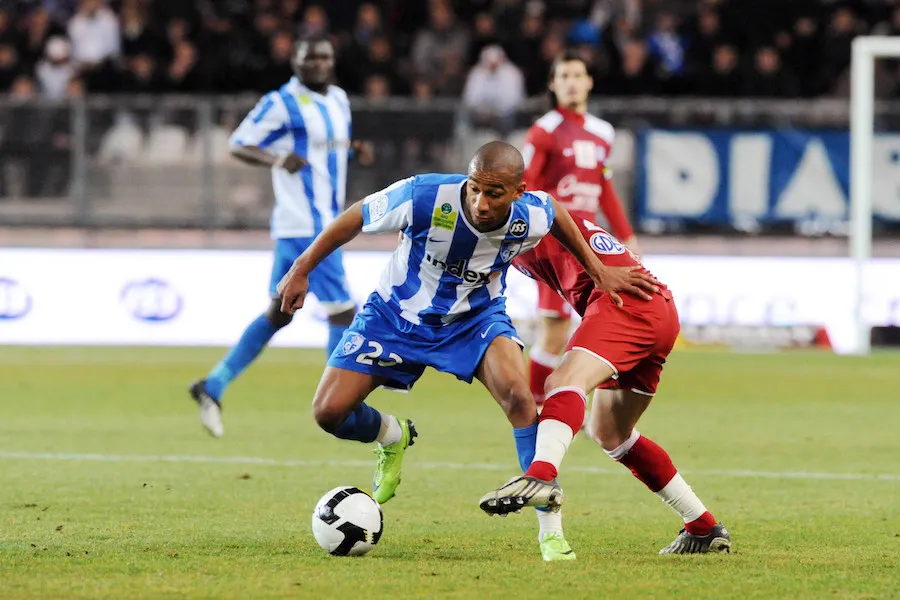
pixel 210 409
pixel 522 491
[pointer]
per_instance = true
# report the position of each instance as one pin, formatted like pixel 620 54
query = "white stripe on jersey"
pixel 444 268
pixel 437 244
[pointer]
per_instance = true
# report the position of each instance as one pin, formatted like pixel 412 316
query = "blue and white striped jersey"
pixel 444 268
pixel 316 127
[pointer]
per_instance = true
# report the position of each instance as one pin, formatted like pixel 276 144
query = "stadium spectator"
pixel 493 91
pixel 439 49
pixel 137 37
pixel 56 70
pixel 95 34
pixel 767 78
pixel 237 45
pixel 39 28
pixel 723 80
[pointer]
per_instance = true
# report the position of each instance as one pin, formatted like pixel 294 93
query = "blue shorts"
pixel 327 282
pixel 381 343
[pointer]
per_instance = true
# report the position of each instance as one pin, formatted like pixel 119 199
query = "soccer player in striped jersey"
pixel 302 133
pixel 440 300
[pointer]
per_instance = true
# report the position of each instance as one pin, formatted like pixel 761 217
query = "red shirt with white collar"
pixel 565 155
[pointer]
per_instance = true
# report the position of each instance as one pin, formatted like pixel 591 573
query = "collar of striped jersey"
pixel 465 218
pixel 298 89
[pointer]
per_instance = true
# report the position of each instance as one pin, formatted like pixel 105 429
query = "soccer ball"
pixel 347 522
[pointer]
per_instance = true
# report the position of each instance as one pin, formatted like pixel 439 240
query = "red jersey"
pixel 565 155
pixel 550 263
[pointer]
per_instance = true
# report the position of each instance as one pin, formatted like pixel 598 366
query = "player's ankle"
pixel 541 470
pixel 702 525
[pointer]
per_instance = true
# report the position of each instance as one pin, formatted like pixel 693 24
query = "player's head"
pixel 313 61
pixel 495 181
pixel 570 83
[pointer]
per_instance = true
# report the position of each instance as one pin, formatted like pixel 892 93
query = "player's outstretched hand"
pixel 632 280
pixel 292 290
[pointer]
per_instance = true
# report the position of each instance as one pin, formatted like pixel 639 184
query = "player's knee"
pixel 328 416
pixel 275 316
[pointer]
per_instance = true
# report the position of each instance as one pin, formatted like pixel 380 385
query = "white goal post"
pixel 866 50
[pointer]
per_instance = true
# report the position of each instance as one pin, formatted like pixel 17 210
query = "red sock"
pixel 649 463
pixel 652 465
pixel 566 407
pixel 537 375
pixel 565 404
pixel 702 525
pixel 542 470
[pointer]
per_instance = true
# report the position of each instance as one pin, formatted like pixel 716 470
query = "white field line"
pixel 434 466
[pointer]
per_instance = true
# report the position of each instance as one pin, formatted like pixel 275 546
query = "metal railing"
pixel 163 161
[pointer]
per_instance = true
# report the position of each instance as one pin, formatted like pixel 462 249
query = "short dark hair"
pixel 311 39
pixel 567 55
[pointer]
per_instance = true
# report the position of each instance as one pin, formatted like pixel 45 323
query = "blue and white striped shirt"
pixel 316 127
pixel 444 268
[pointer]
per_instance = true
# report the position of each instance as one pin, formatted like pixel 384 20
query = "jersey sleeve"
pixel 389 210
pixel 535 152
pixel 266 123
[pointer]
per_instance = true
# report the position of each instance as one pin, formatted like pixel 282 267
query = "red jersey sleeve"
pixel 538 144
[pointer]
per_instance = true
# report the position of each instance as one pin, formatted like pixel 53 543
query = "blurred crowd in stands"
pixel 493 52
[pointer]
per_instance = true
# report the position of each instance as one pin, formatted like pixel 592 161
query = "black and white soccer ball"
pixel 347 522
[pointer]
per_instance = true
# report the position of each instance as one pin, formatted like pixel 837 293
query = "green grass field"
pixel 109 488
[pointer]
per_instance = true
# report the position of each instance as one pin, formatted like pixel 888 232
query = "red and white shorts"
pixel 634 340
pixel 551 304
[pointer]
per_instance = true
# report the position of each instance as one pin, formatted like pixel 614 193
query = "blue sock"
pixel 526 440
pixel 253 340
pixel 362 425
pixel 335 334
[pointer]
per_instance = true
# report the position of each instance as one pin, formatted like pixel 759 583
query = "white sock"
pixel 549 522
pixel 542 357
pixel 390 432
pixel 682 499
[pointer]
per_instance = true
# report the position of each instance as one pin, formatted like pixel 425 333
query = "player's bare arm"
pixel 254 155
pixel 609 279
pixel 293 286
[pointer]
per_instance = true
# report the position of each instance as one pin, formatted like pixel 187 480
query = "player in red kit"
pixel 621 344
pixel 565 155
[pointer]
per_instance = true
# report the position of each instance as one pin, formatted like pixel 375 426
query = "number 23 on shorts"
pixel 374 354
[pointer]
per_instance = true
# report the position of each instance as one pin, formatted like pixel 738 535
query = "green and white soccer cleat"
pixel 555 547
pixel 390 462
pixel 522 491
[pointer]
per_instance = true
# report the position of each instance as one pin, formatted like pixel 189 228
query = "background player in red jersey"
pixel 621 347
pixel 565 155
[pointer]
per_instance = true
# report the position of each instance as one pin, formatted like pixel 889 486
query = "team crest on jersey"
pixel 509 250
pixel 603 243
pixel 351 343
pixel 378 206
pixel 518 228
pixel 444 217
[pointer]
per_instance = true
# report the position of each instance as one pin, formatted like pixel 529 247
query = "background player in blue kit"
pixel 440 300
pixel 302 132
